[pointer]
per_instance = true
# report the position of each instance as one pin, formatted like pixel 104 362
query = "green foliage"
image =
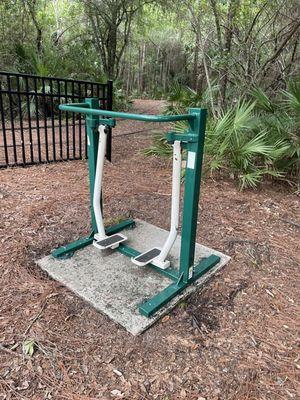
pixel 182 97
pixel 236 143
pixel 282 122
pixel 216 55
pixel 251 140
pixel 262 100
pixel 122 101
pixel 30 62
pixel 160 147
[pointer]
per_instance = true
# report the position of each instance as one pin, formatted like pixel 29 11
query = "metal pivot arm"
pixel 98 182
pixel 155 255
pixel 161 261
pixel 102 241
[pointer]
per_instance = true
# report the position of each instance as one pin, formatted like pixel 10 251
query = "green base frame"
pixel 152 305
pixel 158 301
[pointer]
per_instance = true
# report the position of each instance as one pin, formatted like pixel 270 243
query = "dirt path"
pixel 237 339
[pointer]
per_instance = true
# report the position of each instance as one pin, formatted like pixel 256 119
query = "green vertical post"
pixel 92 137
pixel 109 106
pixel 191 193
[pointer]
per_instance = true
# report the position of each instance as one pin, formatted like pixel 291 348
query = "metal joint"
pixel 95 122
pixel 182 137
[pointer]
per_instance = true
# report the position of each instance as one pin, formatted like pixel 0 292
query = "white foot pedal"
pixel 147 257
pixel 110 242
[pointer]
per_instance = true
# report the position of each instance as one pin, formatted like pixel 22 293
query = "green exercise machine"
pixel 97 123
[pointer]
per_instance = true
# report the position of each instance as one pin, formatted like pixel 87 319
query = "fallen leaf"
pixel 270 293
pixel 119 373
pixel 117 392
pixel 165 319
pixel 24 386
pixel 28 347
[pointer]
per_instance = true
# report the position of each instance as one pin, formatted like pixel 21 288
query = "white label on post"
pixel 88 140
pixel 191 270
pixel 191 160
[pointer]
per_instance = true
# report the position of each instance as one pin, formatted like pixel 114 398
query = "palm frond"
pixel 252 140
pixel 257 145
pixel 243 117
pixel 250 179
pixel 160 147
pixel 292 97
pixel 262 100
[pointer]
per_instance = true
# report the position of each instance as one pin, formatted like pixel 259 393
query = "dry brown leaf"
pixel 165 318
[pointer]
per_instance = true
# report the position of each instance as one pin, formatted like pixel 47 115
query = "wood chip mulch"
pixel 236 339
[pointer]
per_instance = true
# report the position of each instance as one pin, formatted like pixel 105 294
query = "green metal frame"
pixel 193 141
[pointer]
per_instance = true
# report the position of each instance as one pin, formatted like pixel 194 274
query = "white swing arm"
pixel 102 241
pixel 161 261
pixel 98 183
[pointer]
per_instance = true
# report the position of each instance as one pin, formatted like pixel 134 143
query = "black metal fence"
pixel 32 128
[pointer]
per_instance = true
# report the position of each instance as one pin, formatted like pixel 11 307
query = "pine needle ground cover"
pixel 237 339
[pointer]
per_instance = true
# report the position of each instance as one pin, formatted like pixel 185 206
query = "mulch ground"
pixel 236 339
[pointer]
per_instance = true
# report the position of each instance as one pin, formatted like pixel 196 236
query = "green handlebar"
pixel 84 109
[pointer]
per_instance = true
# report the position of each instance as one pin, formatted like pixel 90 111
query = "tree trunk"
pixel 194 77
pixel 232 9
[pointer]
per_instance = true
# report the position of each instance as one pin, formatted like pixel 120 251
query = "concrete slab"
pixel 115 286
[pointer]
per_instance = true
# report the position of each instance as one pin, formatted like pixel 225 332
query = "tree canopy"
pixel 150 45
pixel 238 58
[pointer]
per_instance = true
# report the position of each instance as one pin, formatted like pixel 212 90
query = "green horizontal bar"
pixel 127 223
pixel 81 105
pixel 130 252
pixel 204 266
pixel 156 302
pixel 116 114
pixel 70 248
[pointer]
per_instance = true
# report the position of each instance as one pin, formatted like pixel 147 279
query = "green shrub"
pixel 254 139
pixel 121 101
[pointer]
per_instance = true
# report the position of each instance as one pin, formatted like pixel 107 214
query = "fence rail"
pixel 32 128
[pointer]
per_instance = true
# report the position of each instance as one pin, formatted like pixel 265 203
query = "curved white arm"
pixel 98 182
pixel 176 178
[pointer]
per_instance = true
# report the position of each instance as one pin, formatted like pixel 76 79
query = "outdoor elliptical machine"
pixel 192 141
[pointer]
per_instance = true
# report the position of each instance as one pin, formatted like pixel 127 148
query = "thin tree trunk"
pixel 232 9
pixel 194 77
pixel 207 76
